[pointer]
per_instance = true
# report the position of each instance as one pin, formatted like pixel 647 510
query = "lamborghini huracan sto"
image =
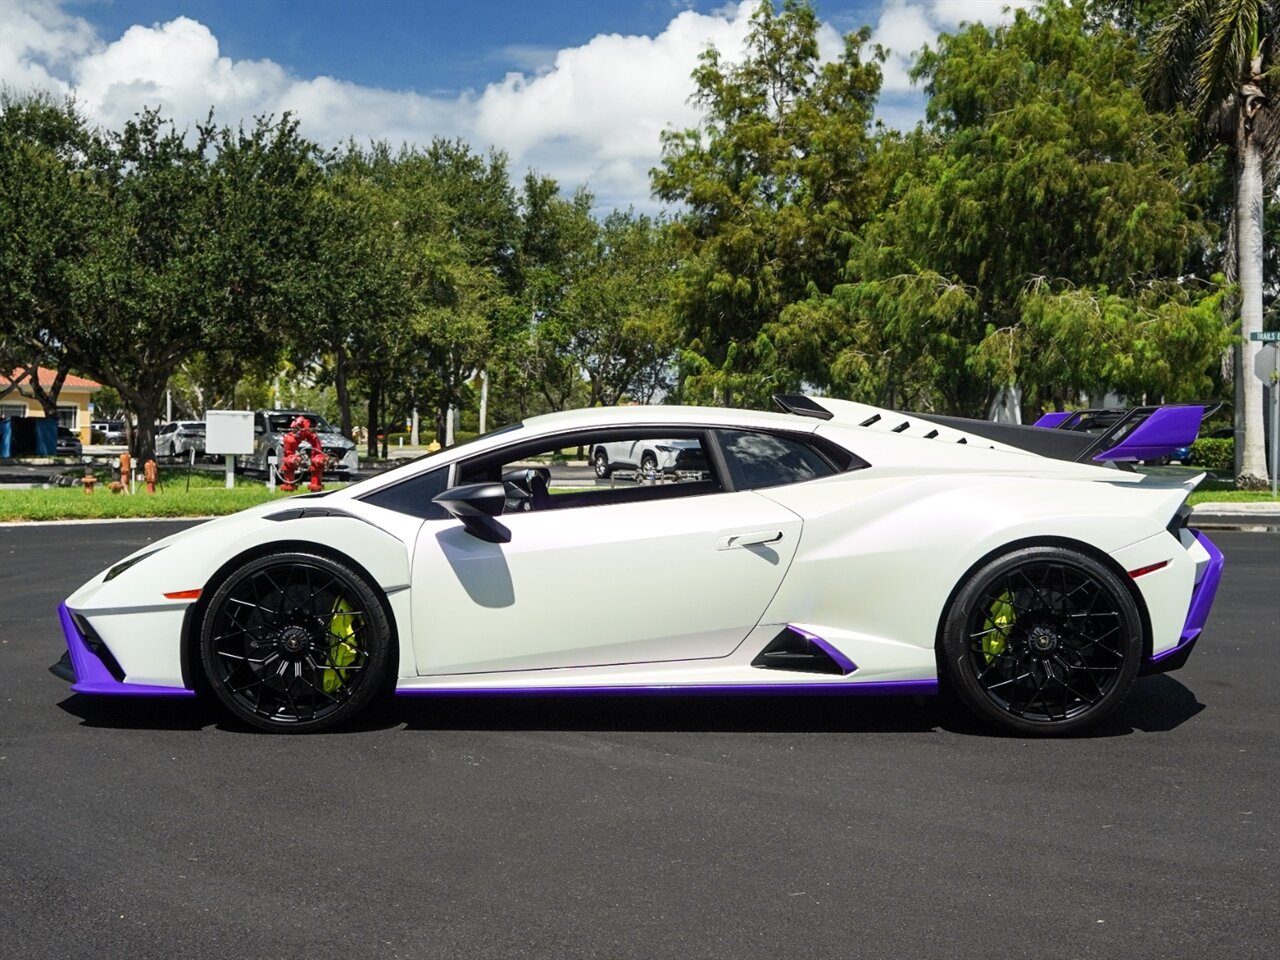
pixel 831 548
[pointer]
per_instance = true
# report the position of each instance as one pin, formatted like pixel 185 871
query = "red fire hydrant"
pixel 310 458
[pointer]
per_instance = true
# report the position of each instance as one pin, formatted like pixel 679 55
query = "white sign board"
pixel 228 431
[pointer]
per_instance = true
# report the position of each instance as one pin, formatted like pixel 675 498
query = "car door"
pixel 631 582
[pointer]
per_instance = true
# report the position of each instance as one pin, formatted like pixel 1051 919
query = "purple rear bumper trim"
pixel 92 676
pixel 1201 599
pixel 889 688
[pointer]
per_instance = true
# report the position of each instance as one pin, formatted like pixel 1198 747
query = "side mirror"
pixel 476 504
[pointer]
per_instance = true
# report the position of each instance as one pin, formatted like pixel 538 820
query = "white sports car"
pixel 831 548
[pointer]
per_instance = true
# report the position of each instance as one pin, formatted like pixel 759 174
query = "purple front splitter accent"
pixel 890 688
pixel 92 676
pixel 846 665
pixel 1201 599
pixel 1164 431
pixel 1052 419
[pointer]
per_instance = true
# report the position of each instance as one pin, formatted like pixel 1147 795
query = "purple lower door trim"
pixel 887 688
pixel 93 677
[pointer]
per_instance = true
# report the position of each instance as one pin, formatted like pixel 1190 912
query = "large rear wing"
pixel 1138 433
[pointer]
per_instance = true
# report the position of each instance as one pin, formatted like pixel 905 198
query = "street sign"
pixel 1266 336
pixel 1266 363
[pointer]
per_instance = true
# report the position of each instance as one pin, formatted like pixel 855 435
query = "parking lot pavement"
pixel 636 827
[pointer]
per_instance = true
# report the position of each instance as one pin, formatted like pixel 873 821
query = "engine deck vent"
pixel 799 650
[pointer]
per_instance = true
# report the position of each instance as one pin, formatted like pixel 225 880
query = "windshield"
pixel 402 465
pixel 279 422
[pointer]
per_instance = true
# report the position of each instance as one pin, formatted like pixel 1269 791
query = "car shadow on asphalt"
pixel 1157 705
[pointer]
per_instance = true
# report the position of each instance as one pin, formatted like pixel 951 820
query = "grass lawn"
pixel 207 497
pixel 1233 496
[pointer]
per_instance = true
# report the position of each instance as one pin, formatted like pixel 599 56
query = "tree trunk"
pixel 375 399
pixel 49 398
pixel 1248 213
pixel 340 387
pixel 147 408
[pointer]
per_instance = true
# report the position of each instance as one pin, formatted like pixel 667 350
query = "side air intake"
pixel 804 652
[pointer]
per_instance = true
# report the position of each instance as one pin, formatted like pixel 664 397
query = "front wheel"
pixel 1043 641
pixel 649 465
pixel 295 642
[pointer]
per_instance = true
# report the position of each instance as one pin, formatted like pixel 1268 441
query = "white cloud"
pixel 587 114
pixel 38 42
pixel 905 26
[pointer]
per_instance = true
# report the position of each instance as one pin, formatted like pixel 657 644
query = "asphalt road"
pixel 635 828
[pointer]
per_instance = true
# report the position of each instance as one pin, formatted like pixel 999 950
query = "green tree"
pixel 1043 205
pixel 355 291
pixel 773 188
pixel 459 226
pixel 620 330
pixel 1218 58
pixel 194 247
pixel 45 184
pixel 557 241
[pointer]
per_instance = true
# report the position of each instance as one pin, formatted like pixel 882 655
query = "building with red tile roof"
pixel 75 400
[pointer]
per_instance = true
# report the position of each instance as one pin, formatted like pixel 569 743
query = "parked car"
pixel 68 443
pixel 179 438
pixel 834 548
pixel 111 431
pixel 270 426
pixel 650 458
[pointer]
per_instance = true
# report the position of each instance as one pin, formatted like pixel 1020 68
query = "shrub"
pixel 1214 453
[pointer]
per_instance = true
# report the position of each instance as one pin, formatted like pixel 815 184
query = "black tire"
pixel 295 643
pixel 1043 641
pixel 648 464
pixel 600 460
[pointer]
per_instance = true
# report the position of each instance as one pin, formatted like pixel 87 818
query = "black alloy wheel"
pixel 1043 641
pixel 600 460
pixel 295 642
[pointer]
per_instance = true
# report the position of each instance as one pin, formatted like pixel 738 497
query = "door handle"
pixel 748 539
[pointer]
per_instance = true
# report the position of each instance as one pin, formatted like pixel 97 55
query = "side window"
pixel 413 496
pixel 759 460
pixel 598 469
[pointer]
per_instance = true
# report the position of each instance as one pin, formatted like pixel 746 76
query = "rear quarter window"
pixel 756 460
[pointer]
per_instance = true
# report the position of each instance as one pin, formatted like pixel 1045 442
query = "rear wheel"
pixel 1043 641
pixel 600 460
pixel 295 642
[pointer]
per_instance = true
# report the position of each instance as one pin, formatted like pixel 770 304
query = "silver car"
pixel 682 459
pixel 179 438
pixel 270 426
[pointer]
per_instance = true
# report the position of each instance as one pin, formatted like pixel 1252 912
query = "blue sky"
pixel 577 90
pixel 432 46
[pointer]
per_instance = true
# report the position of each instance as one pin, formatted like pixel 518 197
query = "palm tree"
pixel 1218 58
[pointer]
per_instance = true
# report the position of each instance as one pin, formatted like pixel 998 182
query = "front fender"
pixel 143 628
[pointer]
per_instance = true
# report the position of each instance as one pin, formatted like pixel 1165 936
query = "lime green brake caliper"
pixel 999 618
pixel 342 650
